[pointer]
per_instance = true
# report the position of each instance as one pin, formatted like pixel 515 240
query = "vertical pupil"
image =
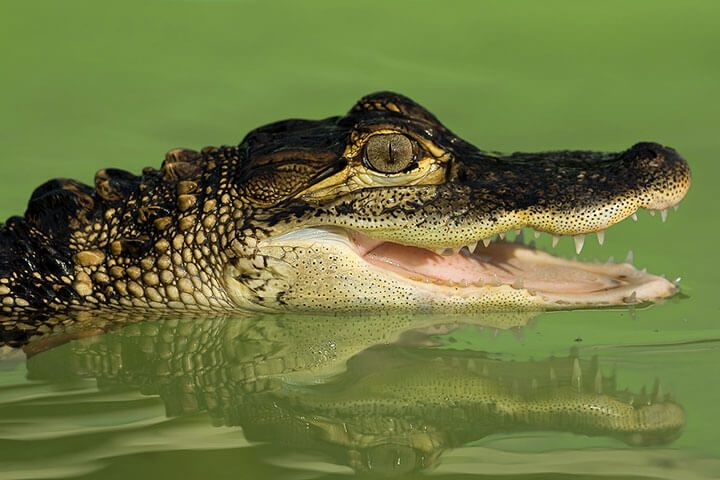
pixel 389 153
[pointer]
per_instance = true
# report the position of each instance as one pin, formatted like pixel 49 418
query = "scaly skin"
pixel 344 385
pixel 272 224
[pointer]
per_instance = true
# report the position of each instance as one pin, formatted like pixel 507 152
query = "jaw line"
pixel 624 284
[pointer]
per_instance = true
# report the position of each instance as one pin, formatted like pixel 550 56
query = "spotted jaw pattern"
pixel 490 274
pixel 578 239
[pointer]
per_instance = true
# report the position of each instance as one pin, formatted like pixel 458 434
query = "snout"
pixel 660 171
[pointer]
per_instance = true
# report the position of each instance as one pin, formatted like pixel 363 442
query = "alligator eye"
pixel 389 153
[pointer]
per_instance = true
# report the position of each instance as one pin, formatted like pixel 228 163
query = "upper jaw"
pixel 568 192
pixel 560 193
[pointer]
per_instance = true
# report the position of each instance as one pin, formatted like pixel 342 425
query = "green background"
pixel 87 85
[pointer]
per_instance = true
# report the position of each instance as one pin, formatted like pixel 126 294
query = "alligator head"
pixel 400 213
pixel 381 209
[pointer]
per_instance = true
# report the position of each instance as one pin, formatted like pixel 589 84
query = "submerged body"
pixel 382 209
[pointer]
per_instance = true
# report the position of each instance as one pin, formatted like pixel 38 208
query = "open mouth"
pixel 517 265
pixel 498 273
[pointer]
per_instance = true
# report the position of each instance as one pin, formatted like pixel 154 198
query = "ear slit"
pixel 330 170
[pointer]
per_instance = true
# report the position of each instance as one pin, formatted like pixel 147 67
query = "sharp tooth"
pixel 472 247
pixel 518 231
pixel 594 365
pixel 632 298
pixel 629 258
pixel 675 207
pixel 553 375
pixel 657 393
pixel 663 215
pixel 634 216
pixel 518 284
pixel 652 213
pixel 613 381
pixel 439 251
pixel 677 281
pixel 611 259
pixel 486 241
pixel 536 234
pixel 579 242
pixel 601 236
pixel 495 282
pixel 501 235
pixel 598 382
pixel 576 374
pixel 555 240
pixel 520 238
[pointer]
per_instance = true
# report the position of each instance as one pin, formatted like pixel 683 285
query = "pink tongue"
pixel 450 268
pixel 495 264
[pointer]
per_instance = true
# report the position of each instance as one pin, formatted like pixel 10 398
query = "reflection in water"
pixel 373 392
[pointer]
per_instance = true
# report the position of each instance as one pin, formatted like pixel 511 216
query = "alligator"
pixel 362 389
pixel 383 209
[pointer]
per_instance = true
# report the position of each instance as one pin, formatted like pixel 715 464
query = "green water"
pixel 88 85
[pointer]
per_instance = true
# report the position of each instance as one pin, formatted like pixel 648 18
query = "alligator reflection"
pixel 362 389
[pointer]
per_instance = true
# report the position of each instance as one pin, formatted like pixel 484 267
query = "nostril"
pixel 647 150
pixel 650 155
pixel 658 173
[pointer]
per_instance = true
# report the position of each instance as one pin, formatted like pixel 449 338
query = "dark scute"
pixel 645 150
pixel 24 250
pixel 135 246
pixel 382 101
pixel 55 202
pixel 183 164
pixel 122 182
pixel 652 154
pixel 182 155
pixel 310 135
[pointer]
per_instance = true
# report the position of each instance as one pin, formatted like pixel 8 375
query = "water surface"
pixel 89 85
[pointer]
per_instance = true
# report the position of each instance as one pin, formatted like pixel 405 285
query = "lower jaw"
pixel 383 276
pixel 554 282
